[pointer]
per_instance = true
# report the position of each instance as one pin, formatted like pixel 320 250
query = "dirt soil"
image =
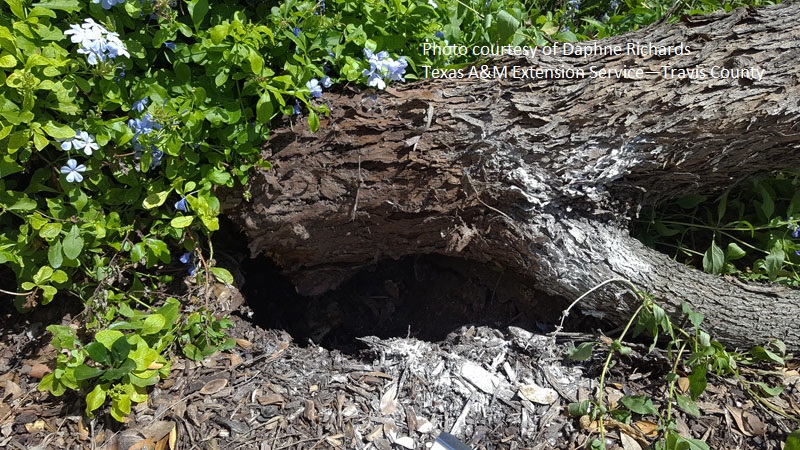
pixel 403 352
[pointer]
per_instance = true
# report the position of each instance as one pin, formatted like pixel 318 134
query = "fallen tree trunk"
pixel 541 176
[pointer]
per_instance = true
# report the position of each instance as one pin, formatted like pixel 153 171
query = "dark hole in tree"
pixel 424 296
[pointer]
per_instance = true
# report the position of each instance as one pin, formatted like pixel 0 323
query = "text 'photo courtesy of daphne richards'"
pixel 528 69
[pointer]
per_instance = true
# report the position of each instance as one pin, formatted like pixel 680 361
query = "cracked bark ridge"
pixel 541 177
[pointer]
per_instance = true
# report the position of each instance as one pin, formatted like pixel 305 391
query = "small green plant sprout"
pixel 692 356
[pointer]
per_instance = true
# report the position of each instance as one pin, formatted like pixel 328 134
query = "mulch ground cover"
pixel 501 386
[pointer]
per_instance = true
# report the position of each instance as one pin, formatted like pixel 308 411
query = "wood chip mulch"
pixel 492 389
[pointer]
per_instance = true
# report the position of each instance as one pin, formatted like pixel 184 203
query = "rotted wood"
pixel 542 176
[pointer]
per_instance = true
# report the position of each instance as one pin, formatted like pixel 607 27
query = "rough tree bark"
pixel 542 176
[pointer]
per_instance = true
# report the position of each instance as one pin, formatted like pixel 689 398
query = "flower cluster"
pixel 97 43
pixel 82 141
pixel 145 126
pixel 382 67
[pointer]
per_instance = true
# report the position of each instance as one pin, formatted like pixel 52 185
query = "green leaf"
pixel 714 259
pixel 640 404
pixel 108 337
pixel 43 274
pixel 23 203
pixel 697 380
pixel 120 349
pixel 62 5
pixel 792 441
pixel 143 357
pixel 153 324
pixel 675 441
pixel 156 199
pixel 95 399
pixel 63 336
pixel 58 131
pixel 198 10
pixel 98 352
pixel 582 352
pixel 264 108
pixel 138 251
pixel 170 310
pixel 8 61
pixel 211 223
pixel 507 25
pixel 50 230
pixel 313 121
pixel 722 206
pixel 774 261
pixel 688 405
pixel 16 8
pixel 256 62
pixel 578 409
pixel 769 391
pixel 48 292
pixel 222 275
pixel 72 244
pixel 181 221
pixel 763 354
pixel 695 318
pixel 8 166
pixel 767 204
pixel 55 255
pixel 59 277
pixel 84 372
pixel 734 252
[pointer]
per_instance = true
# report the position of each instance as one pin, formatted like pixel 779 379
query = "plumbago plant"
pixel 121 119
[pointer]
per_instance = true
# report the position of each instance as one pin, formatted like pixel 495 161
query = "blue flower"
pixel 296 31
pixel 575 4
pixel 315 87
pixel 396 69
pixel 73 171
pixel 82 141
pixel 107 4
pixel 188 259
pixel 157 155
pixel 97 43
pixel 439 35
pixel 182 205
pixel 170 45
pixel 326 82
pixel 382 66
pixel 185 258
pixel 145 125
pixel 796 232
pixel 140 105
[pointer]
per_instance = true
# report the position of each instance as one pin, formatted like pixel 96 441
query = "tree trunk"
pixel 541 176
